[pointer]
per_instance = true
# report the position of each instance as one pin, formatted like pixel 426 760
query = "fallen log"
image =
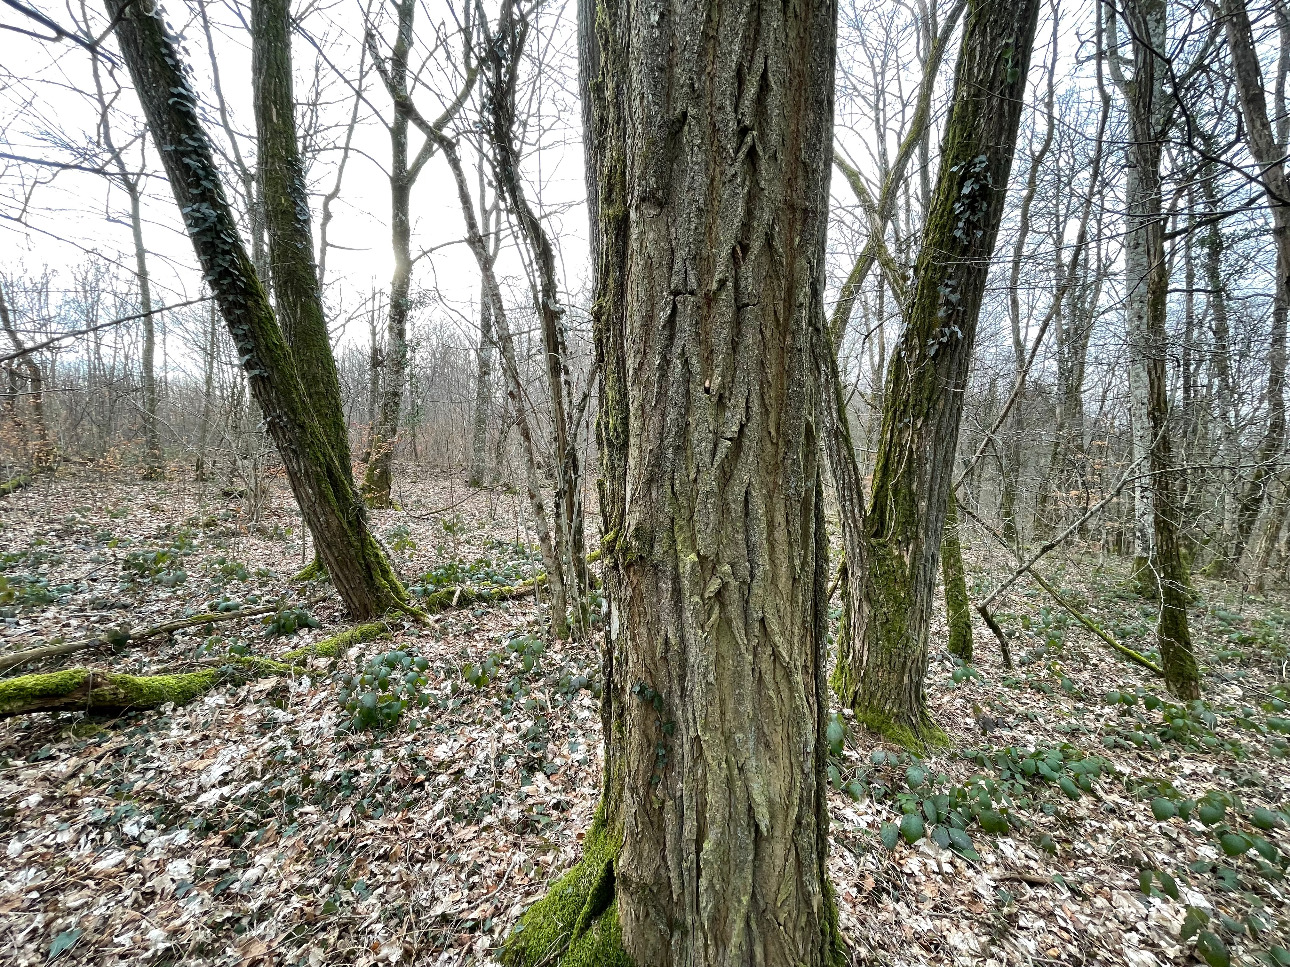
pixel 120 637
pixel 104 693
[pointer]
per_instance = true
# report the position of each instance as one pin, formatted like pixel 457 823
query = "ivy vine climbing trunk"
pixel 709 142
pixel 321 483
pixel 893 547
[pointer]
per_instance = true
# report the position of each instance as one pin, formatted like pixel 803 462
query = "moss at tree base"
pixel 927 737
pixel 315 570
pixel 576 923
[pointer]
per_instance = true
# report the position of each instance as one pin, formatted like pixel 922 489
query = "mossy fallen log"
pixel 105 693
pixel 338 644
pixel 14 484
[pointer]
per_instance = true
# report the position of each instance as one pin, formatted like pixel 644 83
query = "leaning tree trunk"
pixel 1150 290
pixel 320 481
pixel 882 660
pixel 708 157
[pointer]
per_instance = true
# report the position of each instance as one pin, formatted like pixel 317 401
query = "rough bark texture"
pixel 882 659
pixel 321 483
pixel 709 141
pixel 297 295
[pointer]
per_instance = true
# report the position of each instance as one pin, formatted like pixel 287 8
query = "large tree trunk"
pixel 709 149
pixel 321 482
pixel 1147 293
pixel 892 564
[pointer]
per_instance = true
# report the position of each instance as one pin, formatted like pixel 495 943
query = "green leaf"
pixel 1211 813
pixel 941 837
pixel 1265 819
pixel 1144 880
pixel 1233 844
pixel 1212 950
pixel 1168 885
pixel 911 828
pixel 993 822
pixel 1163 808
pixel 1068 786
pixel 65 941
pixel 1264 848
pixel 962 844
pixel 929 810
pixel 836 734
pixel 889 835
pixel 1193 920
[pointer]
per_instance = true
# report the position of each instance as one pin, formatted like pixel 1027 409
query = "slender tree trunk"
pixel 892 566
pixel 321 482
pixel 42 454
pixel 1269 151
pixel 1224 399
pixel 153 464
pixel 507 53
pixel 958 609
pixel 712 835
pixel 403 173
pixel 483 394
pixel 208 396
pixel 1147 282
pixel 297 294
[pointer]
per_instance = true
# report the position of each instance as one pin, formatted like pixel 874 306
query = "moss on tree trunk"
pixel 320 480
pixel 958 609
pixel 893 557
pixel 708 157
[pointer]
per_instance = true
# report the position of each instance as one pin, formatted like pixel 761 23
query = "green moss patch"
pixel 576 923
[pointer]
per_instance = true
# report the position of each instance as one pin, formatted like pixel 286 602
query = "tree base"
pixel 926 737
pixel 576 923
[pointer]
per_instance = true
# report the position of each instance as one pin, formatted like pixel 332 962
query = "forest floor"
pixel 1093 821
